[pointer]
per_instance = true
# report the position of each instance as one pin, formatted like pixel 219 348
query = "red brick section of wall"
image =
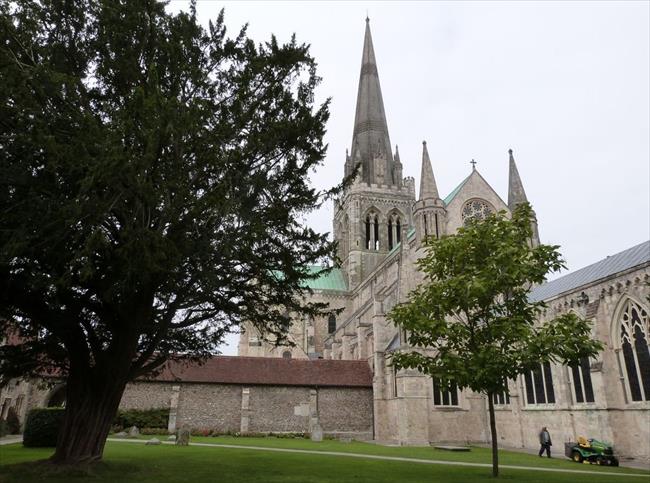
pixel 270 371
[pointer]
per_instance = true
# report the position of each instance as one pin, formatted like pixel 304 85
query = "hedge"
pixel 142 418
pixel 42 427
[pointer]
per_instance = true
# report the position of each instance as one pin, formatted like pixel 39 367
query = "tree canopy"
pixel 471 322
pixel 153 179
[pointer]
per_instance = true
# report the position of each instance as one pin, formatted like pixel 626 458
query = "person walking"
pixel 545 442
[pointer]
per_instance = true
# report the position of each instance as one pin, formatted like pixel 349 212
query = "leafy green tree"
pixel 471 321
pixel 153 176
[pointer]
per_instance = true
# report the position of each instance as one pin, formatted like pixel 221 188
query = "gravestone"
pixel 134 432
pixel 183 436
pixel 121 434
pixel 317 433
pixel 153 442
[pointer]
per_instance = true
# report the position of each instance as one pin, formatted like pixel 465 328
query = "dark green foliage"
pixel 3 428
pixel 42 427
pixel 153 182
pixel 13 422
pixel 142 418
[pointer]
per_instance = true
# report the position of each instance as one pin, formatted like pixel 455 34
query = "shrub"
pixel 142 418
pixel 3 428
pixel 200 432
pixel 42 426
pixel 13 422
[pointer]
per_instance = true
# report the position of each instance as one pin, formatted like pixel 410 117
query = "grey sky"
pixel 564 84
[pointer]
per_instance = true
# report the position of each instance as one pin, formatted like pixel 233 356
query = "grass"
pixel 476 455
pixel 136 463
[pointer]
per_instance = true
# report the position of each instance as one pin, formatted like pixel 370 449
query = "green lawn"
pixel 476 455
pixel 133 462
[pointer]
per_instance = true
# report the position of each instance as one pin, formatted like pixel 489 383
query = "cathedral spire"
pixel 516 193
pixel 428 188
pixel 370 138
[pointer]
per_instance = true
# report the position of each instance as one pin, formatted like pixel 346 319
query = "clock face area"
pixel 476 209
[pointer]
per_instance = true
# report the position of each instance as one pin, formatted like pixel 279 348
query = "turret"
pixel 429 211
pixel 517 195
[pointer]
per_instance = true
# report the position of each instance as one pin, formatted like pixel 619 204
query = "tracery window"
pixel 476 210
pixel 539 385
pixel 372 231
pixel 444 396
pixel 331 324
pixel 501 398
pixel 634 338
pixel 394 230
pixel 581 375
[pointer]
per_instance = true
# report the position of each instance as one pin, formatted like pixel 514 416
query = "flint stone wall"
pixel 264 409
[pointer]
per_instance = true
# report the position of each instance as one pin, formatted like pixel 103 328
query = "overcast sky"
pixel 564 84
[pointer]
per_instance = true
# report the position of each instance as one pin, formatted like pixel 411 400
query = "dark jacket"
pixel 541 437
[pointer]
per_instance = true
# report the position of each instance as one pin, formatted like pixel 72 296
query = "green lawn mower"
pixel 591 451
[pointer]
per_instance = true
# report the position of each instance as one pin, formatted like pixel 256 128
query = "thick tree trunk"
pixel 92 400
pixel 493 435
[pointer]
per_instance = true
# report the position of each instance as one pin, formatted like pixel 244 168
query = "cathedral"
pixel 380 223
pixel 337 373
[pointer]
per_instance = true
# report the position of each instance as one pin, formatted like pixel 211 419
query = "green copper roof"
pixel 453 194
pixel 333 280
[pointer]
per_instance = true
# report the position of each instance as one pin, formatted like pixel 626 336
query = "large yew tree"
pixel 153 178
pixel 471 322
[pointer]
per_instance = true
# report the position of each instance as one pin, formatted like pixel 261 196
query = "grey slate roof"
pixel 632 257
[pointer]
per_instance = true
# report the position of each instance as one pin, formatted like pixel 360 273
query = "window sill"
pixel 448 408
pixel 542 407
pixel 585 407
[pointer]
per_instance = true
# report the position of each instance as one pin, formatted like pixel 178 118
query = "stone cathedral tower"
pixel 375 213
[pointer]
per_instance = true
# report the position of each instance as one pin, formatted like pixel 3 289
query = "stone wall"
pixel 257 408
pixel 346 410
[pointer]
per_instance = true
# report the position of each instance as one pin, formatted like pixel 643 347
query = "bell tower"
pixel 375 214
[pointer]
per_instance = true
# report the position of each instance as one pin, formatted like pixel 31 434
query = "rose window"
pixel 476 210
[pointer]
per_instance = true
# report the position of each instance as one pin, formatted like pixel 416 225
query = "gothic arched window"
pixel 476 210
pixel 394 230
pixel 368 232
pixel 286 355
pixel 331 324
pixel 376 244
pixel 634 339
pixel 371 226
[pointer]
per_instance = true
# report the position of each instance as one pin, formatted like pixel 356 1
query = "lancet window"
pixel 372 231
pixel 394 230
pixel 634 351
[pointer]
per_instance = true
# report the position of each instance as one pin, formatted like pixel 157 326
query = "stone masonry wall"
pixel 256 408
pixel 345 410
pixel 279 409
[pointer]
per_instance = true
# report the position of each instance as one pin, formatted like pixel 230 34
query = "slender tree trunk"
pixel 92 400
pixel 493 435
